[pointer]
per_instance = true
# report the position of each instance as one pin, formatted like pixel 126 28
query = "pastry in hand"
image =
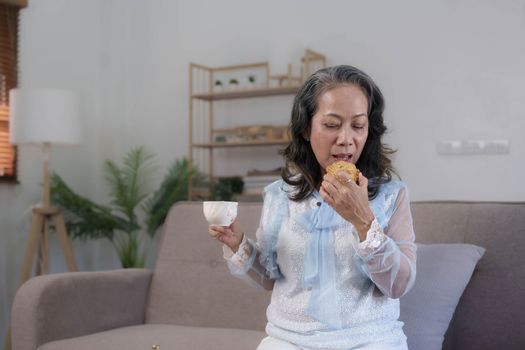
pixel 347 167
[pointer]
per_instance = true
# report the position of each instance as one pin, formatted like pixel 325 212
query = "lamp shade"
pixel 41 116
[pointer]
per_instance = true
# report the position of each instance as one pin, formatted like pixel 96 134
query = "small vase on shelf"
pixel 233 84
pixel 252 82
pixel 218 87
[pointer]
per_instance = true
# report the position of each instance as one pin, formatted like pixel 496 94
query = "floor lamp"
pixel 44 117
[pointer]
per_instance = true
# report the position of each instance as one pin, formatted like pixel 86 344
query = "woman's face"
pixel 339 128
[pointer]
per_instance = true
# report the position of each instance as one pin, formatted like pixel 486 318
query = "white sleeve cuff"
pixel 374 240
pixel 242 256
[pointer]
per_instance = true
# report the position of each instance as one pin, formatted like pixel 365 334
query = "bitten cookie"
pixel 347 167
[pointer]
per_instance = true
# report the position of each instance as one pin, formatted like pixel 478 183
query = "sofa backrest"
pixel 491 312
pixel 192 285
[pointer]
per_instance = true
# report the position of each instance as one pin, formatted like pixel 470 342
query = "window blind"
pixel 8 80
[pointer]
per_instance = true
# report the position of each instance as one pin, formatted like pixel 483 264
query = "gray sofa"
pixel 190 301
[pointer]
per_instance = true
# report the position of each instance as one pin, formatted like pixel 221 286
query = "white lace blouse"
pixel 369 276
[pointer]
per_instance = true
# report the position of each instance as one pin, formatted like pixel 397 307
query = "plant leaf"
pixel 173 188
pixel 128 183
pixel 84 218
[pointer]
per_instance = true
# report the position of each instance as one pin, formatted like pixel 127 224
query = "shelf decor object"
pixel 204 90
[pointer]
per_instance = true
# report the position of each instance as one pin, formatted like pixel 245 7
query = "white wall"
pixel 448 70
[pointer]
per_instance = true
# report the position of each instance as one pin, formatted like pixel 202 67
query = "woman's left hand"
pixel 350 200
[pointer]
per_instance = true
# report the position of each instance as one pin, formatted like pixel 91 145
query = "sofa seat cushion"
pixel 168 337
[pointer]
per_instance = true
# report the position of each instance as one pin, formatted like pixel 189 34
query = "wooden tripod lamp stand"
pixel 42 217
pixel 44 117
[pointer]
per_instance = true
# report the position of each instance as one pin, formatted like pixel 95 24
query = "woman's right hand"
pixel 229 235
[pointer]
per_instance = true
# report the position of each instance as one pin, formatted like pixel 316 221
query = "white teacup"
pixel 219 213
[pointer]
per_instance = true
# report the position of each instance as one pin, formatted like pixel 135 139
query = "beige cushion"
pixel 443 272
pixel 168 337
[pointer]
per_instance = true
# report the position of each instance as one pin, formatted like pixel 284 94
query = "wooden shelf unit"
pixel 203 92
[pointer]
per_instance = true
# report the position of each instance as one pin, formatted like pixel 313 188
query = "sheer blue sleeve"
pixel 274 213
pixel 256 261
pixel 240 262
pixel 388 256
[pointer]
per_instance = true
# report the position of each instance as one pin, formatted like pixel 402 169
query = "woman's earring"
pixel 307 139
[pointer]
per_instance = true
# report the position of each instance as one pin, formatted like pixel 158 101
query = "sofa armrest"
pixel 64 305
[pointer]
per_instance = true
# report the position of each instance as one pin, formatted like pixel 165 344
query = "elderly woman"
pixel 337 254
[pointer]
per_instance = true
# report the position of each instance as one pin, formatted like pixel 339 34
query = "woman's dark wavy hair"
pixel 302 171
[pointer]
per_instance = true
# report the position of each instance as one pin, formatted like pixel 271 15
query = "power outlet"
pixel 497 147
pixel 456 147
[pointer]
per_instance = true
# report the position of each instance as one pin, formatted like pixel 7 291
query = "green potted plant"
pixel 226 188
pixel 251 80
pixel 234 83
pixel 133 212
pixel 218 85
